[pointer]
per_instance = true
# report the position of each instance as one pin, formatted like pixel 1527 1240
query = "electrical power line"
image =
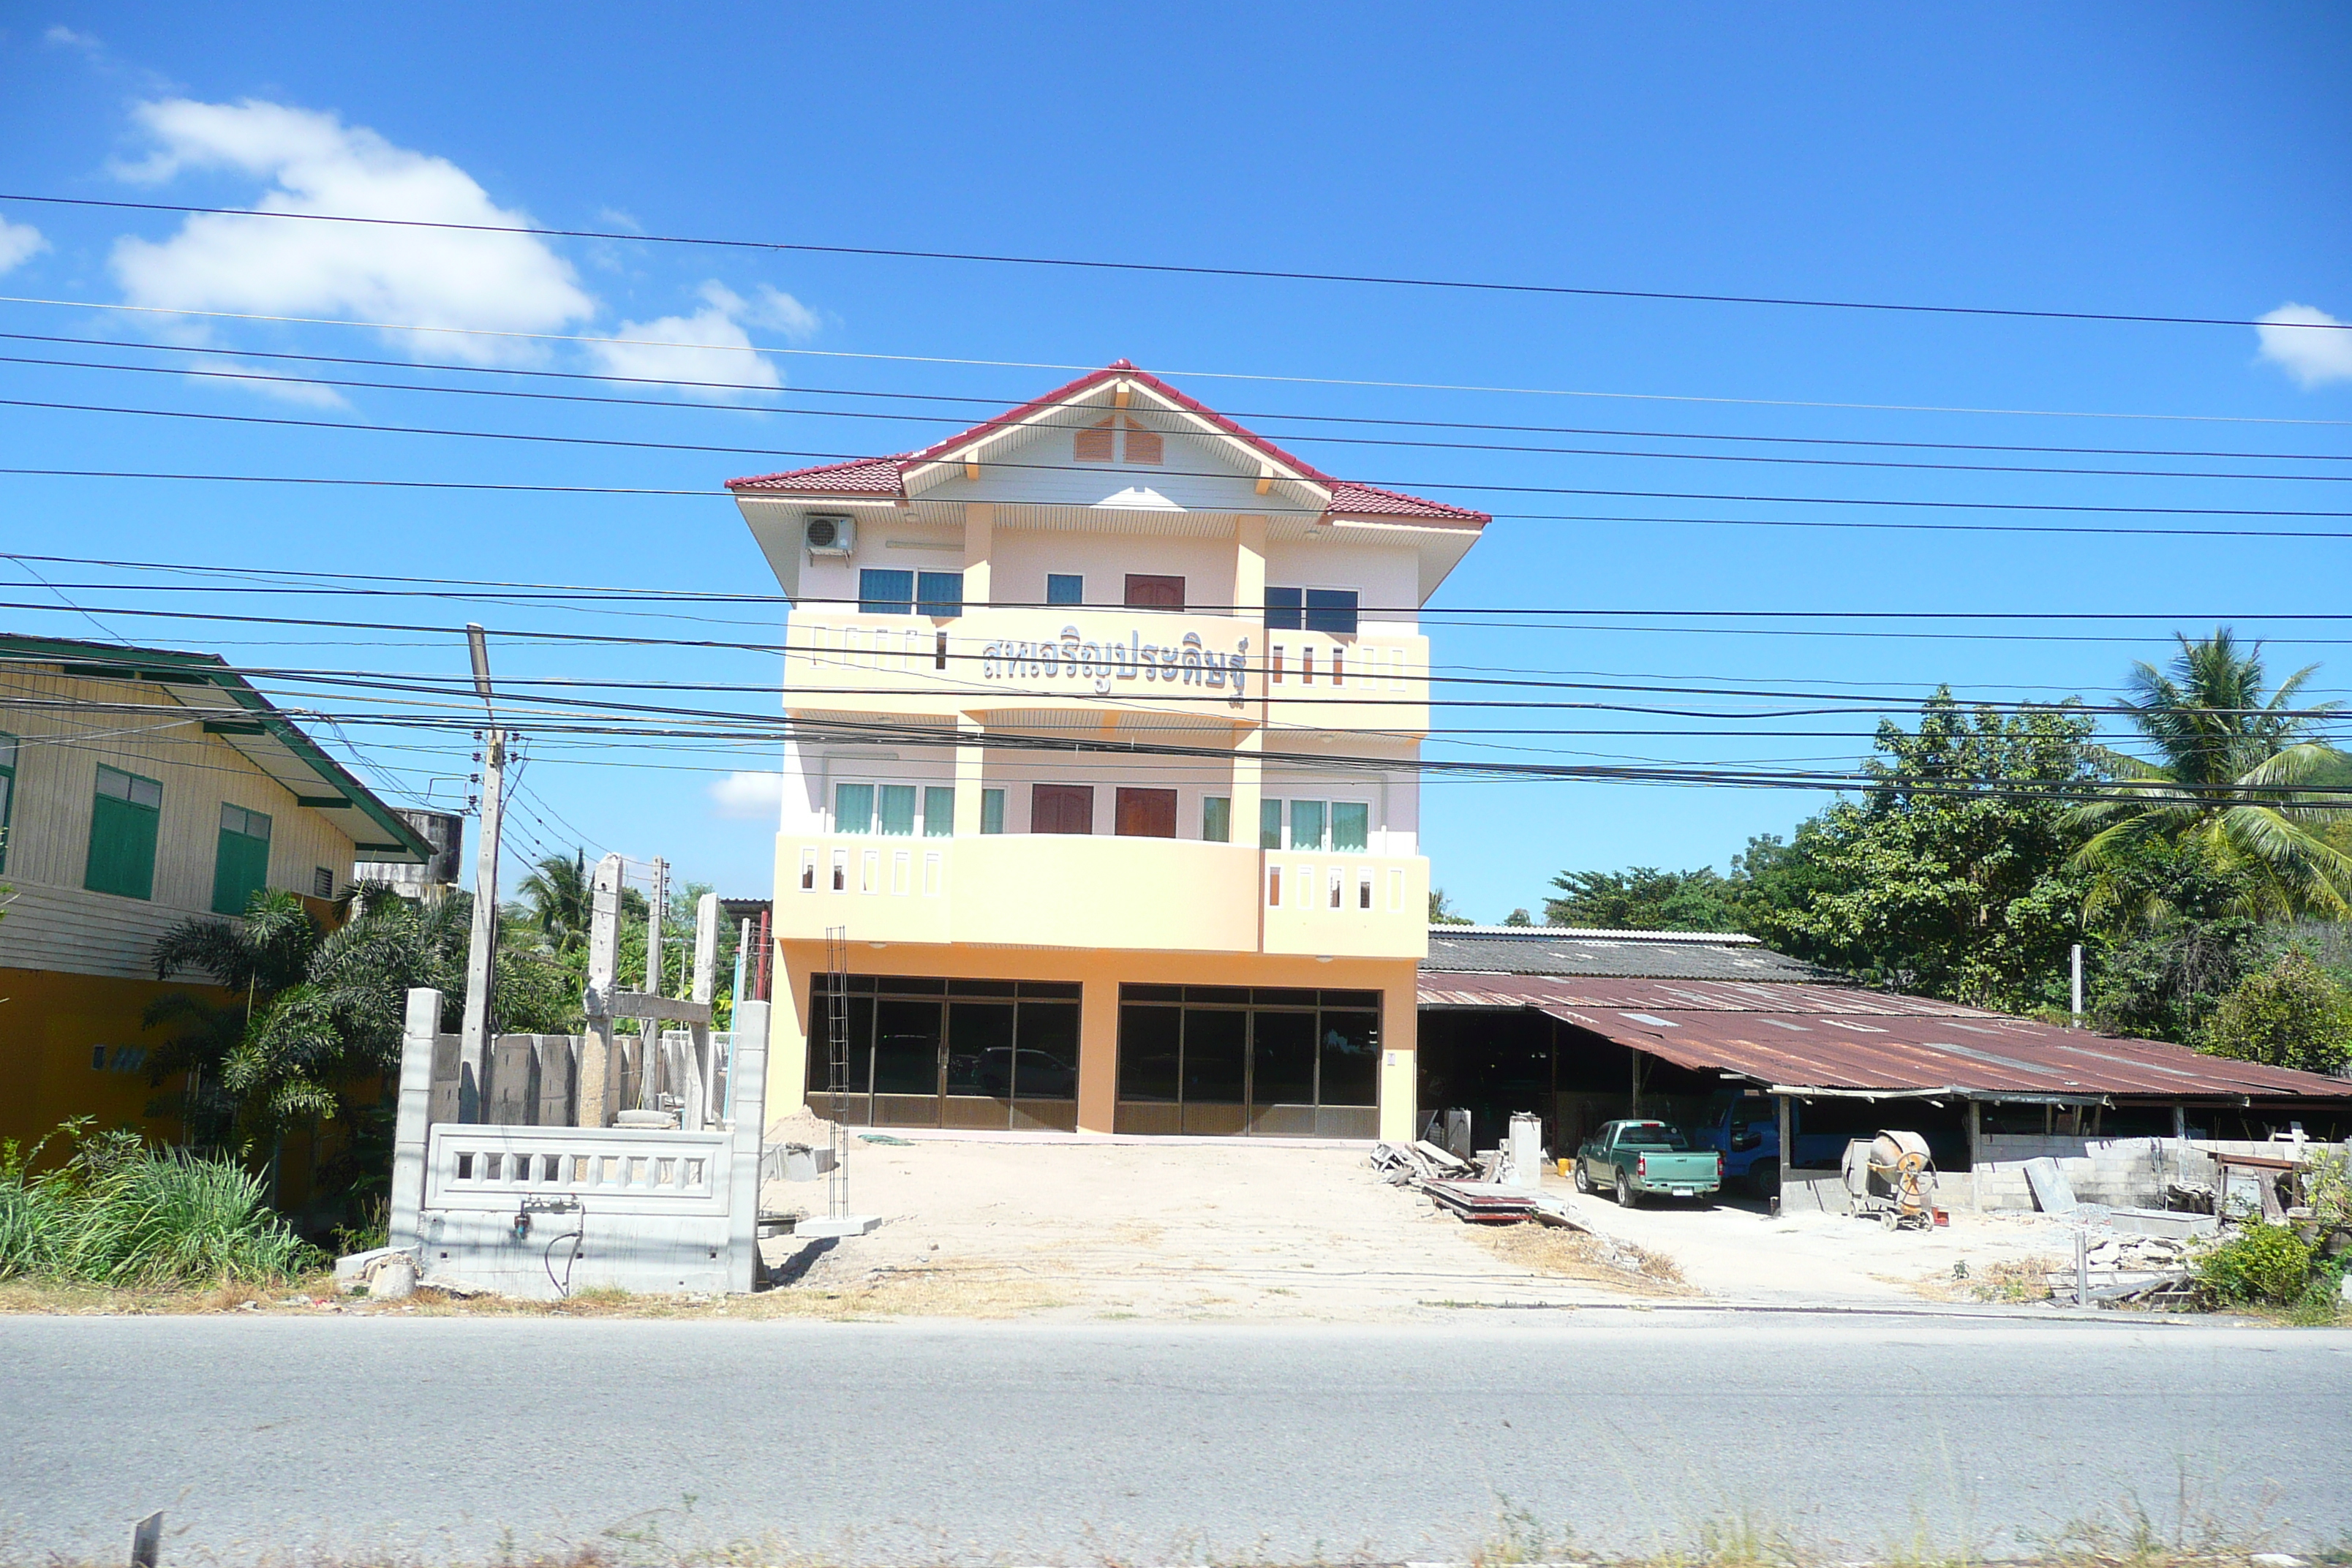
pixel 1069 263
pixel 211 372
pixel 1365 384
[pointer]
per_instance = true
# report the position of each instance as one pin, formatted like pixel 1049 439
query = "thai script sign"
pixel 1073 658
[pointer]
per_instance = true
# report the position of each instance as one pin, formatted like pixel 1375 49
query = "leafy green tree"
pixel 1518 918
pixel 1645 898
pixel 2231 764
pixel 2292 1014
pixel 1442 911
pixel 1948 876
pixel 2168 938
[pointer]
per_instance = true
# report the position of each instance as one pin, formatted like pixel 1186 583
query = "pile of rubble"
pixel 1484 1191
pixel 2127 1270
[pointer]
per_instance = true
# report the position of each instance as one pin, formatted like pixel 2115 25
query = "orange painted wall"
pixel 48 1024
pixel 1101 973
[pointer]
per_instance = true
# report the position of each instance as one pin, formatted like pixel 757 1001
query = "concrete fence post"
pixel 748 1082
pixel 420 1029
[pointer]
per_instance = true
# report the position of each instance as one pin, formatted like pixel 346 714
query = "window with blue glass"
pixel 886 592
pixel 1332 611
pixel 1065 588
pixel 938 594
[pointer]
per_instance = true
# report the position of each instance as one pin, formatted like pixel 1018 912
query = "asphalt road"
pixel 438 1437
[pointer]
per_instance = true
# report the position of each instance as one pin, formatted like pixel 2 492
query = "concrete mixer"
pixel 1892 1176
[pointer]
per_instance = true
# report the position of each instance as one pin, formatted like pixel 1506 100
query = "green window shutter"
pixel 123 818
pixel 1269 824
pixel 992 811
pixel 1217 818
pixel 7 792
pixel 241 865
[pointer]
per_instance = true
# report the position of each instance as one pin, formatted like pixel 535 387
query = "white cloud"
pixel 66 37
pixel 19 242
pixel 2308 344
pixel 709 346
pixel 304 394
pixel 316 163
pixel 748 796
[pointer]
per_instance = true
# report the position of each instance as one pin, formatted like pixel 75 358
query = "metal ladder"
pixel 837 1053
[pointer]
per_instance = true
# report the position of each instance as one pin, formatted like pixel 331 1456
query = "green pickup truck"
pixel 1633 1157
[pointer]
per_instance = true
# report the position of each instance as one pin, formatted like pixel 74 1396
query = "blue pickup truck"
pixel 1745 1129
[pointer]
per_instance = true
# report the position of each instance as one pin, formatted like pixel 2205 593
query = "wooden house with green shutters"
pixel 138 787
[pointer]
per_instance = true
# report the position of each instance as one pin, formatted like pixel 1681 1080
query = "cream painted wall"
pixel 58 758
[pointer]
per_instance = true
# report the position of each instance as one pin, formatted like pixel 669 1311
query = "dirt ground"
pixel 1095 1229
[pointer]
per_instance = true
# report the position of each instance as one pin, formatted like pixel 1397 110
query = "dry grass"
pixel 1566 1254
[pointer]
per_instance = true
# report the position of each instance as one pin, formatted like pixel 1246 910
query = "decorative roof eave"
pixel 907 474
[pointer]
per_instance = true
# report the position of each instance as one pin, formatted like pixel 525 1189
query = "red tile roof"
pixel 887 476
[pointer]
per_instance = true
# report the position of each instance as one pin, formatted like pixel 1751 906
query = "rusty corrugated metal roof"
pixel 1799 1036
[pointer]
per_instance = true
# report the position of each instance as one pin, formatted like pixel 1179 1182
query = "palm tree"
pixel 558 893
pixel 2230 778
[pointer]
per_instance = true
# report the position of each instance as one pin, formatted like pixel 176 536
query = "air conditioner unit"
pixel 830 535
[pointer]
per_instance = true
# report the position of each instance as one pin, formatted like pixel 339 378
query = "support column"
pixel 1400 1055
pixel 1787 1144
pixel 419 1029
pixel 750 1064
pixel 1249 790
pixel 600 1085
pixel 979 545
pixel 1097 1055
pixel 1976 1157
pixel 792 1033
pixel 969 757
pixel 1249 567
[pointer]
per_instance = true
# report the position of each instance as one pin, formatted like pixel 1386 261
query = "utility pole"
pixel 2078 986
pixel 650 1048
pixel 481 952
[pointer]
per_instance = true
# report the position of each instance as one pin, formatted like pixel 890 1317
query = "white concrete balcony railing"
pixel 1087 891
pixel 1227 666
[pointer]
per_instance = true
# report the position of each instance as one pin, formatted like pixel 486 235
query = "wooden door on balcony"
pixel 1147 814
pixel 1062 808
pixel 1145 592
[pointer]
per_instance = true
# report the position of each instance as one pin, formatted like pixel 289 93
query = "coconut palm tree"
pixel 557 895
pixel 2233 774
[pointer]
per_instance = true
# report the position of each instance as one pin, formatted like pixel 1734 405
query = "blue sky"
pixel 2164 160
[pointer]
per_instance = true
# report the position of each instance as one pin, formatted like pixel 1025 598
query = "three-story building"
pixel 1105 719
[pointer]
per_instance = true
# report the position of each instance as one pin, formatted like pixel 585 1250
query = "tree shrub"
pixel 2292 1014
pixel 2265 1264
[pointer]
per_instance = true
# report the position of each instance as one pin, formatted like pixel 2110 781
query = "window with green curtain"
pixel 992 811
pixel 896 813
pixel 852 808
pixel 1306 824
pixel 241 865
pixel 7 792
pixel 1351 826
pixel 1217 819
pixel 938 811
pixel 123 818
pixel 1269 824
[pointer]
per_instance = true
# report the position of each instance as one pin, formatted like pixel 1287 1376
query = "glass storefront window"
pixel 1216 1049
pixel 1150 1047
pixel 1352 1058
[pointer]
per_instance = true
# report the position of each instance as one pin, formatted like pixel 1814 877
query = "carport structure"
pixel 1728 1020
